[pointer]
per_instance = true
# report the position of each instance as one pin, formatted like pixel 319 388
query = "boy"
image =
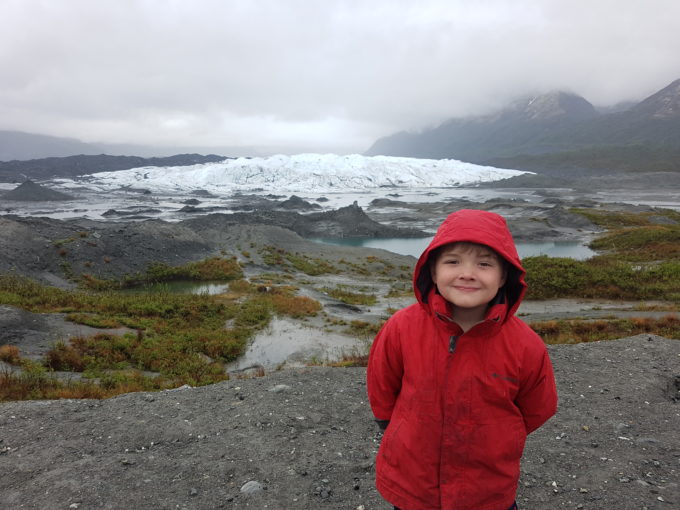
pixel 456 378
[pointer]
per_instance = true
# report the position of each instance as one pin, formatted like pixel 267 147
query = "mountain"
pixel 322 173
pixel 17 145
pixel 72 166
pixel 553 132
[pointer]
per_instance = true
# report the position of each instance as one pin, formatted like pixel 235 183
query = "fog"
pixel 291 76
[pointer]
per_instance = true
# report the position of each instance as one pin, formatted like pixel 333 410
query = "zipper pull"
pixel 452 343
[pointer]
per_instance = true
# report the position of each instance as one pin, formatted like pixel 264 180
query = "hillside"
pixel 72 166
pixel 556 131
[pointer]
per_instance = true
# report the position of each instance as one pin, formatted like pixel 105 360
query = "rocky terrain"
pixel 305 439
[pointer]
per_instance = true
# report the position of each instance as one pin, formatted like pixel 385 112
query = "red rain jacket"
pixel 460 405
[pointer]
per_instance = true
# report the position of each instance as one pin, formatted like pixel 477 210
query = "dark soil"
pixel 305 439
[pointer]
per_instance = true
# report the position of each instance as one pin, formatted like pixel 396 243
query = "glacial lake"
pixel 415 246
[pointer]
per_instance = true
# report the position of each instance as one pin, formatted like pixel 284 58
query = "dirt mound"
pixel 305 439
pixel 29 191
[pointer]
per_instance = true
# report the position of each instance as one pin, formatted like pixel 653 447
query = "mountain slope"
pixel 72 166
pixel 533 133
pixel 18 145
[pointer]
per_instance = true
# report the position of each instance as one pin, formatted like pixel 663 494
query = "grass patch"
pixel 613 220
pixel 211 269
pixel 182 337
pixel 215 268
pixel 288 261
pixel 364 329
pixel 32 385
pixel 657 242
pixel 9 354
pixel 309 265
pixel 578 331
pixel 601 277
pixel 94 320
pixel 641 260
pixel 352 298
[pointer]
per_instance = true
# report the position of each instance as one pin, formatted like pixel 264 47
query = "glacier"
pixel 324 173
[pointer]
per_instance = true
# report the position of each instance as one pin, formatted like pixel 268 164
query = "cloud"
pixel 322 76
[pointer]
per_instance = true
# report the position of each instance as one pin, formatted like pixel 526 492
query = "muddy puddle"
pixel 285 344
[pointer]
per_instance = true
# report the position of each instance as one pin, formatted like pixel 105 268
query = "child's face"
pixel 468 275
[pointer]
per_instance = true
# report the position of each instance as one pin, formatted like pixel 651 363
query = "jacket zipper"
pixel 453 340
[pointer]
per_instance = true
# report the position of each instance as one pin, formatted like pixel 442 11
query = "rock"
pixel 252 487
pixel 297 203
pixel 279 388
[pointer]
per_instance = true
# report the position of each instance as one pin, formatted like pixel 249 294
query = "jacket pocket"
pixel 388 442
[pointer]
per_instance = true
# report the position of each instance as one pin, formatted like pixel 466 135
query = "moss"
pixel 353 298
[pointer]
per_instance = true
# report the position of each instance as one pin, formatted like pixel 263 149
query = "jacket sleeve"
pixel 537 397
pixel 385 370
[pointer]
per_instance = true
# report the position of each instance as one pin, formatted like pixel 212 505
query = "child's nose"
pixel 466 271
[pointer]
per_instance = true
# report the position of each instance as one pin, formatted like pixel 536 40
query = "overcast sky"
pixel 313 75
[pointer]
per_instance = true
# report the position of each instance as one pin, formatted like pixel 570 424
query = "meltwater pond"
pixel 415 246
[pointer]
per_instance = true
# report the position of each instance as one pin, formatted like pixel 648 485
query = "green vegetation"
pixel 353 298
pixel 211 269
pixel 577 331
pixel 363 329
pixel 181 338
pixel 310 266
pixel 640 261
pixel 215 268
pixel 601 277
pixel 288 261
pixel 177 339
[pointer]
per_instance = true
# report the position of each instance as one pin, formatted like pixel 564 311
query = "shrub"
pixel 64 357
pixel 295 306
pixel 9 354
pixel 352 298
pixel 555 277
pixel 577 331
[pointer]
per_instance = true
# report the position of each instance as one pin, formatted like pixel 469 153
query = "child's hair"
pixel 467 246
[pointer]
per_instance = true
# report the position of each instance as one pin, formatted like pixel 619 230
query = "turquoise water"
pixel 415 246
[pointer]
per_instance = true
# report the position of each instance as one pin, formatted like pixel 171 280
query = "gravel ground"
pixel 299 438
pixel 305 439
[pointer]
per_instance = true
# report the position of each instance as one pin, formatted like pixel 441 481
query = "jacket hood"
pixel 481 227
